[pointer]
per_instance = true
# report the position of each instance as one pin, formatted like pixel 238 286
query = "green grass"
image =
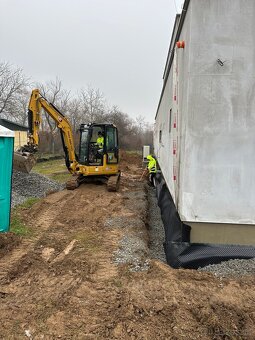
pixel 29 202
pixel 55 169
pixel 17 225
pixel 61 178
pixel 50 167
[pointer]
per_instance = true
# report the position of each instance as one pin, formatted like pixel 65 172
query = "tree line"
pixel 87 105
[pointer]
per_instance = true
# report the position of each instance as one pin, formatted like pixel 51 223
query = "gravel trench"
pixel 133 246
pixel 155 227
pixel 144 233
pixel 231 268
pixel 29 185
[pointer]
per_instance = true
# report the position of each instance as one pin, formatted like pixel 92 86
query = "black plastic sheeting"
pixel 180 253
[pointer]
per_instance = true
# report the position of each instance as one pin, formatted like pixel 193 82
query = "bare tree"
pixel 54 93
pixel 140 123
pixel 21 106
pixel 93 105
pixel 74 113
pixel 12 86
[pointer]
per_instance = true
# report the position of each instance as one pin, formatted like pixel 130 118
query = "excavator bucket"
pixel 23 161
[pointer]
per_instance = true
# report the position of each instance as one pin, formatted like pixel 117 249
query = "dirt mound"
pixel 130 161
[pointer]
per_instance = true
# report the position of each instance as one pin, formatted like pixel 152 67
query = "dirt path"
pixel 63 282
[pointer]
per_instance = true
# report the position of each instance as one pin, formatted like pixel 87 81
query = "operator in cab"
pixel 152 168
pixel 100 140
pixel 100 145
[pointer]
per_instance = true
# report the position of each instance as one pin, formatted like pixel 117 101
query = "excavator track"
pixel 113 183
pixel 73 182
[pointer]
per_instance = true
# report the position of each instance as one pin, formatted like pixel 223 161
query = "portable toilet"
pixel 6 157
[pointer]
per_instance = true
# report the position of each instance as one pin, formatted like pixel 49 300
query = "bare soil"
pixel 62 283
pixel 8 241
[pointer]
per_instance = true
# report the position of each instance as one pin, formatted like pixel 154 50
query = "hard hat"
pixel 149 157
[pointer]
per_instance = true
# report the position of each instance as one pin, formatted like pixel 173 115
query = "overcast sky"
pixel 118 46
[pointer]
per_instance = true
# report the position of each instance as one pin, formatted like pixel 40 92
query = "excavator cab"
pixel 98 155
pixel 98 145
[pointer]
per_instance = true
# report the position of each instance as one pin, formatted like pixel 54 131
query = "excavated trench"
pixel 144 237
pixel 142 229
pixel 155 227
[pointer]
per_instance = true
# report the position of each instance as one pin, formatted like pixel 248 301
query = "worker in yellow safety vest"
pixel 100 140
pixel 152 168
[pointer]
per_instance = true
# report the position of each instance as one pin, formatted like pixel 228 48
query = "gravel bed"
pixel 136 201
pixel 155 227
pixel 123 222
pixel 133 246
pixel 31 185
pixel 17 199
pixel 133 250
pixel 231 268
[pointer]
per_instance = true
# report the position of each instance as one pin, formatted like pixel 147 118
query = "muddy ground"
pixel 70 279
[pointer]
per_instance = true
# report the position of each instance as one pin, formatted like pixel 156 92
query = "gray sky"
pixel 118 46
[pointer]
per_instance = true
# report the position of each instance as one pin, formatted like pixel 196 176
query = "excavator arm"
pixel 36 104
pixel 24 159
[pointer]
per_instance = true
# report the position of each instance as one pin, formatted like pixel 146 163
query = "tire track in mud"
pixel 106 268
pixel 47 216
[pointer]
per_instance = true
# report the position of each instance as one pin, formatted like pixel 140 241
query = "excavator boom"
pixel 24 159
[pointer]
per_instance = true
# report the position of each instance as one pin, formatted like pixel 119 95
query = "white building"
pixel 204 137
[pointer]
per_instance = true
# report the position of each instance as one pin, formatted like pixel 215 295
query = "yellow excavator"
pixel 98 155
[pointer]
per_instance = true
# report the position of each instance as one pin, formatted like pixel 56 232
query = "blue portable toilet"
pixel 6 157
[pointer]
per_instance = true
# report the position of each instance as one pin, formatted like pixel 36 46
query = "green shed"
pixel 6 156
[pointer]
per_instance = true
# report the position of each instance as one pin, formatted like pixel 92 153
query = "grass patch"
pixel 61 178
pixel 17 225
pixel 55 170
pixel 29 202
pixel 50 167
pixel 89 240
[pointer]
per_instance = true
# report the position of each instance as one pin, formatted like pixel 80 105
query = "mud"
pixel 8 241
pixel 62 282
